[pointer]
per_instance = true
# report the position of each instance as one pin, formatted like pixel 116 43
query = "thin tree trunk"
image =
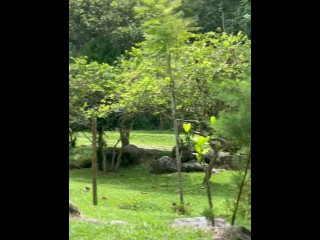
pixel 216 150
pixel 208 189
pixel 114 155
pixel 125 130
pixel 104 159
pixel 102 150
pixel 223 17
pixel 124 136
pixel 209 193
pixel 176 132
pixel 87 136
pixel 241 187
pixel 161 123
pixel 210 166
pixel 94 160
pixel 118 160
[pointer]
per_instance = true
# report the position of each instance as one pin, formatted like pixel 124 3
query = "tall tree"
pixel 90 85
pixel 166 31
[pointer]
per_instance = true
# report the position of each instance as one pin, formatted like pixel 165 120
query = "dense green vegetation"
pixel 142 69
pixel 104 29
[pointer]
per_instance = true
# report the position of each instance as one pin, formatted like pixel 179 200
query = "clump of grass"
pixel 208 214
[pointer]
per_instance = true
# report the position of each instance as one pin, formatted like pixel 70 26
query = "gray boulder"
pixel 167 164
pixel 73 208
pixel 164 164
pixel 192 166
pixel 224 159
pixel 130 154
pixel 199 222
pixel 80 163
pixel 186 154
pixel 222 229
pixel 231 233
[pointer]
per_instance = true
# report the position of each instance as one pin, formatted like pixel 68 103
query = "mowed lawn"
pixel 162 140
pixel 144 200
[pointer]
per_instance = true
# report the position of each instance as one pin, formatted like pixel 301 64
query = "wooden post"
pixel 94 160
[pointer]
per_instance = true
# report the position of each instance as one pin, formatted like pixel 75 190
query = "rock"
pixel 231 232
pixel 199 222
pixel 81 163
pixel 85 162
pixel 73 165
pixel 215 171
pixel 186 154
pixel 130 154
pixel 224 160
pixel 222 229
pixel 73 209
pixel 167 164
pixel 164 164
pixel 192 166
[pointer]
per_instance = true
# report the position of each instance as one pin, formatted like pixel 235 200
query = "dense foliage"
pixel 104 29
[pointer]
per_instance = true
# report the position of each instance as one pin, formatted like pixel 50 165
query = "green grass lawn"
pixel 150 214
pixel 162 140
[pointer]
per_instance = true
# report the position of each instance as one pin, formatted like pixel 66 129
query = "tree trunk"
pixel 104 160
pixel 176 132
pixel 210 165
pixel 161 123
pixel 118 160
pixel 94 160
pixel 124 136
pixel 216 150
pixel 113 156
pixel 209 193
pixel 223 18
pixel 241 187
pixel 101 150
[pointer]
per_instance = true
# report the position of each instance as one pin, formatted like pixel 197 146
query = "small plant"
pixel 201 147
pixel 179 208
pixel 208 214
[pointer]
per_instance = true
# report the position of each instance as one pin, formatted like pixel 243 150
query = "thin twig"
pixel 87 136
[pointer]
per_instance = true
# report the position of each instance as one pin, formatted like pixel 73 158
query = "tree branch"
pixel 87 136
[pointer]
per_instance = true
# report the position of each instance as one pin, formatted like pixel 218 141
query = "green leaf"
pixel 186 127
pixel 195 140
pixel 202 140
pixel 206 150
pixel 198 148
pixel 213 120
pixel 199 158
